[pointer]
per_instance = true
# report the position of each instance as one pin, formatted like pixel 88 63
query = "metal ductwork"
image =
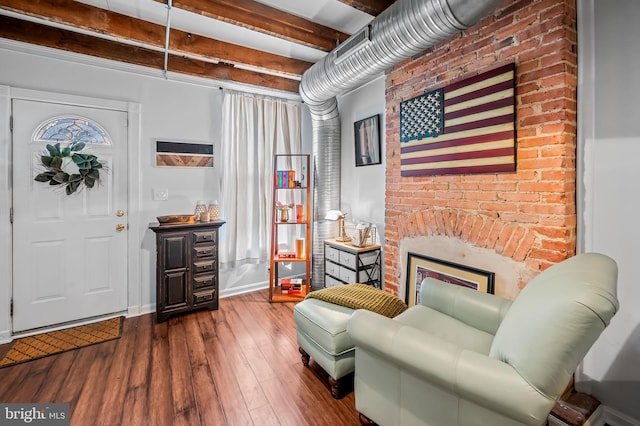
pixel 405 29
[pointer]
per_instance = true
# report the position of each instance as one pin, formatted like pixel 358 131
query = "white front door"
pixel 69 251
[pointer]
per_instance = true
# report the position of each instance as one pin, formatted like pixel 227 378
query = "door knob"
pixel 119 213
pixel 120 227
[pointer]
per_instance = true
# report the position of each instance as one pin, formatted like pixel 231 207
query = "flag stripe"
pixel 479 107
pixel 404 151
pixel 481 77
pixel 498 91
pixel 498 143
pixel 466 155
pixel 466 163
pixel 451 125
pixel 496 168
pixel 493 121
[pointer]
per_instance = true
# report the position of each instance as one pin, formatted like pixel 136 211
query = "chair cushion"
pixel 447 328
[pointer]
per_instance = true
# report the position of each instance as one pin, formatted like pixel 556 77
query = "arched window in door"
pixel 71 129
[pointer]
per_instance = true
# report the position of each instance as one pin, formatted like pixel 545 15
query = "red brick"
pixel 524 247
pixel 545 209
pixel 520 217
pixel 483 235
pixel 494 234
pixel 514 240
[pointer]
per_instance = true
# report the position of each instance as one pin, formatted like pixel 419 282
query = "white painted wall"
pixel 608 192
pixel 179 108
pixel 362 188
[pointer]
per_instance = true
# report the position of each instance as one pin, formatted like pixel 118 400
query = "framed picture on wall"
pixel 420 267
pixel 367 141
pixel 183 154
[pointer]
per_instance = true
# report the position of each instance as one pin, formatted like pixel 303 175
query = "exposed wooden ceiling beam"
pixel 43 35
pixel 265 19
pixel 83 16
pixel 372 7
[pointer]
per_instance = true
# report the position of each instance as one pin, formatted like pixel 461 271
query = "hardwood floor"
pixel 238 365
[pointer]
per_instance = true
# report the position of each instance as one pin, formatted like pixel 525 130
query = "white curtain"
pixel 254 129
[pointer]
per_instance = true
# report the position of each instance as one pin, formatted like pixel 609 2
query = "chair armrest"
pixel 480 310
pixel 499 387
pixel 469 375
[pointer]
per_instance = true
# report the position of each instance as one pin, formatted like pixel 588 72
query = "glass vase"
pixel 214 211
pixel 201 207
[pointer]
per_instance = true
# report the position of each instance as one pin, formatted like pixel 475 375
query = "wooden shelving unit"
pixel 291 238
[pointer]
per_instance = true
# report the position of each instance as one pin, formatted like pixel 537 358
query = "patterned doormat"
pixel 42 345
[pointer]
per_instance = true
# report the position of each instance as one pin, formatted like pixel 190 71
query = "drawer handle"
pixel 203 237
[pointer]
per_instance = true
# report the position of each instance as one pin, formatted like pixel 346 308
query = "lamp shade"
pixel 334 215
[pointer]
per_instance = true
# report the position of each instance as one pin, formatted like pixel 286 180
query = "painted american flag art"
pixel 464 128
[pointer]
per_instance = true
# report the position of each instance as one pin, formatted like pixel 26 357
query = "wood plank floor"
pixel 238 365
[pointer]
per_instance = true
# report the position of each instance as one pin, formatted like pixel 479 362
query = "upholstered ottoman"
pixel 321 322
pixel 322 335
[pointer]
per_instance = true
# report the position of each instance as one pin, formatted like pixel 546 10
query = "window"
pixel 71 129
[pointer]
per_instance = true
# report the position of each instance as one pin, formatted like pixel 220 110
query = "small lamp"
pixel 339 216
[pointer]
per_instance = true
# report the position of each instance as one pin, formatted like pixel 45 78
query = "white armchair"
pixel 463 357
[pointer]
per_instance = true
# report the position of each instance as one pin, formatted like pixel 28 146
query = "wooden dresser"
pixel 187 267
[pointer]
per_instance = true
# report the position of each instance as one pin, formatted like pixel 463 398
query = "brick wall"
pixel 530 215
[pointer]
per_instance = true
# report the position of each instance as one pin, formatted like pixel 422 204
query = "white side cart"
pixel 347 264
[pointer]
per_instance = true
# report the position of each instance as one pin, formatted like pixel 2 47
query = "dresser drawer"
pixel 204 237
pixel 348 259
pixel 331 282
pixel 350 277
pixel 200 252
pixel 204 296
pixel 200 281
pixel 351 259
pixel 347 275
pixel 332 254
pixel 203 266
pixel 369 258
pixel 332 269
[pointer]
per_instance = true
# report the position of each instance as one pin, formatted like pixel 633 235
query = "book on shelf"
pixel 292 283
pixel 292 286
pixel 286 254
pixel 285 178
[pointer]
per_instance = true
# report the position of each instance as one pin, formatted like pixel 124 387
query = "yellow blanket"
pixel 361 296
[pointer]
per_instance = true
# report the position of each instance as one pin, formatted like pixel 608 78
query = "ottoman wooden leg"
pixel 305 357
pixel 342 386
pixel 335 387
